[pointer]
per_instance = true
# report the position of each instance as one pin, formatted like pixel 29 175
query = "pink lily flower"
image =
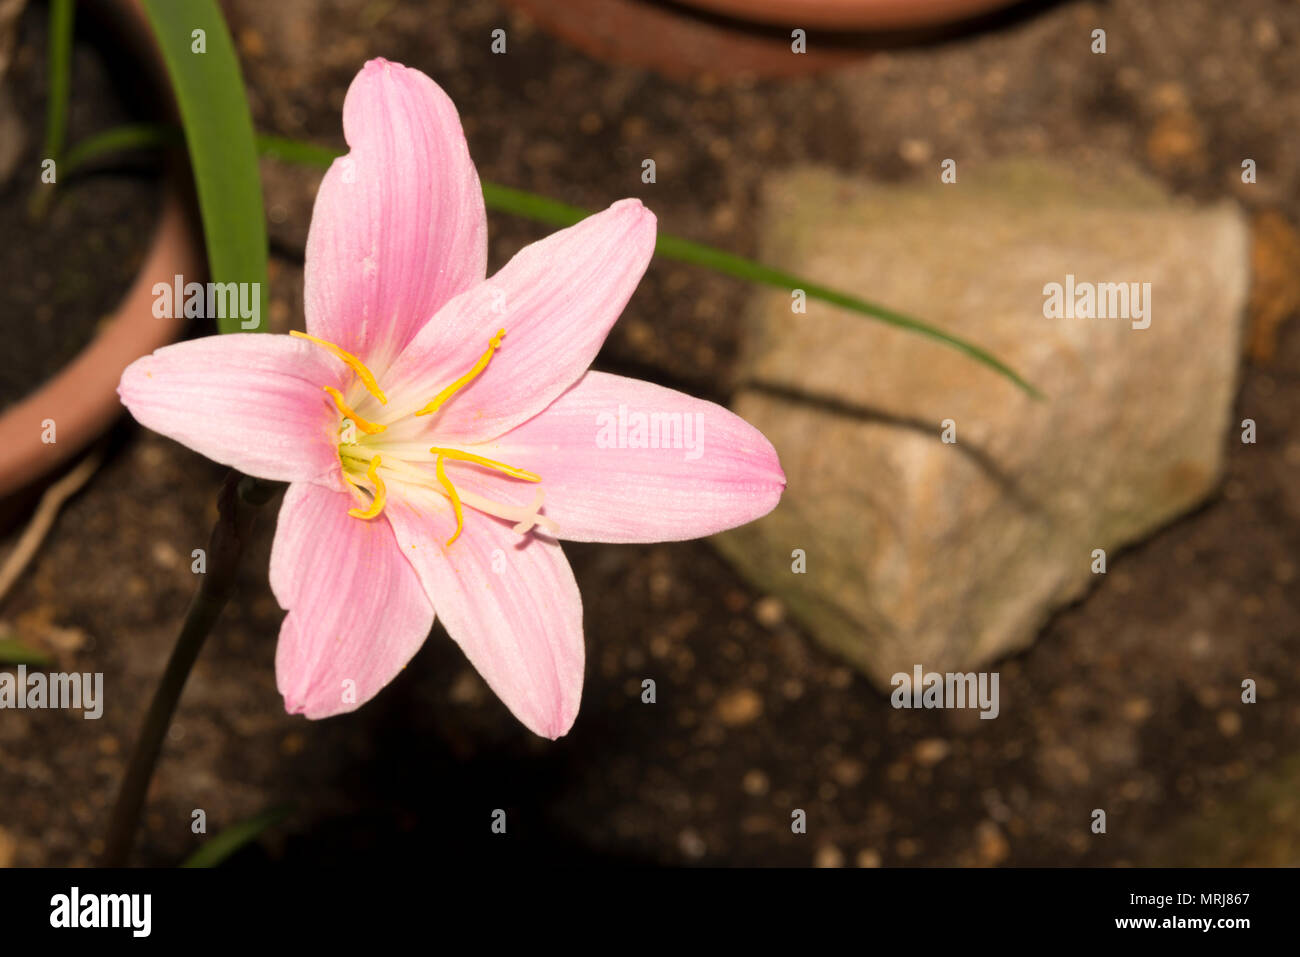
pixel 440 431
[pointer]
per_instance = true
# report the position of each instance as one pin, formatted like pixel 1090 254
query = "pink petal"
pixel 722 474
pixel 399 225
pixel 556 299
pixel 357 611
pixel 510 602
pixel 249 400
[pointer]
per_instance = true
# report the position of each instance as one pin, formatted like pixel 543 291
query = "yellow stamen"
pixel 487 463
pixel 359 367
pixel 381 493
pixel 366 426
pixel 436 403
pixel 455 499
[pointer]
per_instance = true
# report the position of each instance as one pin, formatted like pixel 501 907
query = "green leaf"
pixel 120 139
pixel 518 202
pixel 507 200
pixel 227 842
pixel 59 83
pixel 673 247
pixel 62 15
pixel 296 151
pixel 14 652
pixel 542 209
pixel 209 90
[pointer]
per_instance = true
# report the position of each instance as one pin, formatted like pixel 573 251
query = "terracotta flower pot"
pixel 724 38
pixel 851 14
pixel 81 398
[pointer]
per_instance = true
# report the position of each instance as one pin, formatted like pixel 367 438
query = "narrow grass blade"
pixel 227 842
pixel 14 652
pixel 543 209
pixel 62 16
pixel 120 139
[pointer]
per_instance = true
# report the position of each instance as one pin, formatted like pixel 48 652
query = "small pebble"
pixel 931 751
pixel 828 855
pixel 739 707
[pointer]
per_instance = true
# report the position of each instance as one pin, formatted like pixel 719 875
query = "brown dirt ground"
pixel 1128 701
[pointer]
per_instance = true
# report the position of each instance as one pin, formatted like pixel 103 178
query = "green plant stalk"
pixel 227 842
pixel 683 250
pixel 240 500
pixel 120 139
pixel 59 84
pixel 504 199
pixel 13 651
pixel 507 200
pixel 62 18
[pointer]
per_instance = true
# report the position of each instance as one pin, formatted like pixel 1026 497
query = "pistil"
pixel 404 457
pixel 380 492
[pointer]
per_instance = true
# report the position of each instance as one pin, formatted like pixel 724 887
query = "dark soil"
pixel 66 270
pixel 1128 701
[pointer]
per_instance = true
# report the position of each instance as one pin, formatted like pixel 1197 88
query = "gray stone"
pixel 951 555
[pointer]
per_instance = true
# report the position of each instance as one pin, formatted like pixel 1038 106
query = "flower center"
pixel 363 458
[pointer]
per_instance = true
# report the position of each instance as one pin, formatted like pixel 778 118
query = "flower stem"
pixel 238 503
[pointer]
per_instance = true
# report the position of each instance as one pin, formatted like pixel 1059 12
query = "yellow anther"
pixel 366 426
pixel 359 367
pixel 510 470
pixel 455 499
pixel 436 403
pixel 377 503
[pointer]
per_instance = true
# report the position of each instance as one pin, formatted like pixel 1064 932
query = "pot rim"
pixel 81 398
pixel 850 15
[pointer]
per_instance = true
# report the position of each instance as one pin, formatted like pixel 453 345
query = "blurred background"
pixel 1119 691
